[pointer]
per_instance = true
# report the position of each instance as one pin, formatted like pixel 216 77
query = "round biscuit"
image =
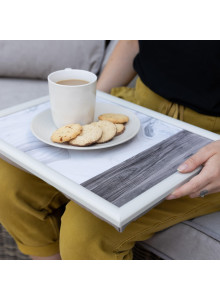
pixel 89 135
pixel 66 133
pixel 115 118
pixel 108 130
pixel 119 128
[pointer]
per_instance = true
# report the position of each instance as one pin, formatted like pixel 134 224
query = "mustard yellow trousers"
pixel 44 222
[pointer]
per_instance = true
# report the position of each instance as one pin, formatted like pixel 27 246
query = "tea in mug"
pixel 72 82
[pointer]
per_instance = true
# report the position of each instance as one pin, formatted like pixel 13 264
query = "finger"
pixel 209 189
pixel 196 184
pixel 203 192
pixel 197 159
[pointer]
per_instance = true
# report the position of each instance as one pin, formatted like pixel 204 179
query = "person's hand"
pixel 208 180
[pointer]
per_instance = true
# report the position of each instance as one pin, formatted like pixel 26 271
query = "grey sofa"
pixel 24 66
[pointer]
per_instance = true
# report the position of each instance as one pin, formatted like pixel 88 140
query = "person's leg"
pixel 31 211
pixel 85 237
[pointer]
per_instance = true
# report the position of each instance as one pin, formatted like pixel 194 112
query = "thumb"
pixel 196 160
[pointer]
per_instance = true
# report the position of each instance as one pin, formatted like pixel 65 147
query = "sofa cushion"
pixel 36 59
pixel 198 238
pixel 15 91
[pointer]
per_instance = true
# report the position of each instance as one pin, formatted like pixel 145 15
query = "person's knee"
pixel 11 177
pixel 20 189
pixel 84 236
pixel 11 181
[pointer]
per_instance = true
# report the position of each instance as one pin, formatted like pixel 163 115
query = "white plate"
pixel 42 127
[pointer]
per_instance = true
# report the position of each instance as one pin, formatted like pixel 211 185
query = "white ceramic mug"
pixel 72 104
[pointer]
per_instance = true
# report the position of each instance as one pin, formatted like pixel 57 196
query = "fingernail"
pixel 171 197
pixel 182 167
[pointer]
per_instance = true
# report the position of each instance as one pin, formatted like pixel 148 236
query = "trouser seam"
pixel 51 200
pixel 52 220
pixel 116 249
pixel 214 124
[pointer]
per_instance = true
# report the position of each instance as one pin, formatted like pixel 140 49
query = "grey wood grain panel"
pixel 130 178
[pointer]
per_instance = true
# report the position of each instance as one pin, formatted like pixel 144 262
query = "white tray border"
pixel 117 217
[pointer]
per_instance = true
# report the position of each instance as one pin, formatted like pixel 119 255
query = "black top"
pixel 185 72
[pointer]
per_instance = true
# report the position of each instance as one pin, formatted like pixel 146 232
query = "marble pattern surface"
pixel 76 165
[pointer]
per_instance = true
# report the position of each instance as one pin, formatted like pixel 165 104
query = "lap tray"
pixel 119 183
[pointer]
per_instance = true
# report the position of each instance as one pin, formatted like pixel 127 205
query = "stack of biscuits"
pixel 104 130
